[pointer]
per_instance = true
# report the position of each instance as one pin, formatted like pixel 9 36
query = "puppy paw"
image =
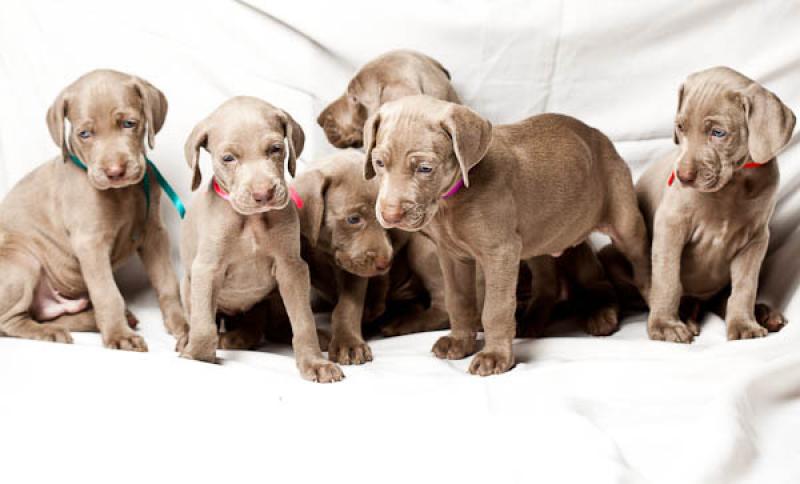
pixel 452 348
pixel 201 347
pixel 125 340
pixel 52 332
pixel 238 340
pixel 320 370
pixel 603 322
pixel 769 318
pixel 745 329
pixel 131 318
pixel 349 351
pixel 669 330
pixel 488 363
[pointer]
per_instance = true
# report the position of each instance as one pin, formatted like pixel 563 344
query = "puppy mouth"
pixel 360 266
pixel 248 208
pixel 342 138
pixel 100 181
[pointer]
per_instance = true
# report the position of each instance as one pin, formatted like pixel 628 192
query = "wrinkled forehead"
pixel 104 102
pixel 405 129
pixel 248 129
pixel 352 192
pixel 712 94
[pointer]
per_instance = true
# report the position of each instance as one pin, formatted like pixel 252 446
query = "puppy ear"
pixel 295 139
pixel 471 135
pixel 55 121
pixel 370 133
pixel 191 150
pixel 680 103
pixel 311 186
pixel 155 108
pixel 769 122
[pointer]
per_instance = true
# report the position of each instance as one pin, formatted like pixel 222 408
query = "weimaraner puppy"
pixel 241 238
pixel 576 276
pixel 708 204
pixel 66 226
pixel 356 263
pixel 495 196
pixel 391 76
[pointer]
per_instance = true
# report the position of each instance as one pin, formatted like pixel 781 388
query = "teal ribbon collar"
pixel 173 197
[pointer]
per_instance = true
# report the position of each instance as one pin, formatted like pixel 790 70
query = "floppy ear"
pixel 471 135
pixel 311 186
pixel 370 134
pixel 680 103
pixel 769 122
pixel 55 121
pixel 191 150
pixel 295 139
pixel 155 108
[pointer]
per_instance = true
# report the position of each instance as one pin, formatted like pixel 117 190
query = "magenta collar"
pixel 225 196
pixel 454 189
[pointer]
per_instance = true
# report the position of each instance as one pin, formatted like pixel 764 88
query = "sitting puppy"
pixel 495 196
pixel 66 226
pixel 241 238
pixel 575 276
pixel 708 205
pixel 348 250
pixel 391 76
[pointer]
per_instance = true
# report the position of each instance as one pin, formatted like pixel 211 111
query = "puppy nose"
pixel 263 195
pixel 115 172
pixel 323 119
pixel 393 215
pixel 382 263
pixel 687 177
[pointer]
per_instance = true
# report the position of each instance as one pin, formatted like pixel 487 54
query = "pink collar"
pixel 224 195
pixel 671 179
pixel 454 189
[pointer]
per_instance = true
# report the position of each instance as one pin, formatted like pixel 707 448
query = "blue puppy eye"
pixel 84 134
pixel 424 169
pixel 718 133
pixel 228 158
pixel 128 124
pixel 353 219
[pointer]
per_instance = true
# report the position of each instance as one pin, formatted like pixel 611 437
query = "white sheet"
pixel 616 409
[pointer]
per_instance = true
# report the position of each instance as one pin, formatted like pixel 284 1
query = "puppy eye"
pixel 275 149
pixel 424 169
pixel 228 158
pixel 718 133
pixel 129 123
pixel 353 219
pixel 679 126
pixel 378 163
pixel 85 134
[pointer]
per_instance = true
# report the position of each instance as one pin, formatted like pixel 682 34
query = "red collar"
pixel 751 164
pixel 454 189
pixel 225 196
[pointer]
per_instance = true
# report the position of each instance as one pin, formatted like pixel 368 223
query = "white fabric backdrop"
pixel 616 409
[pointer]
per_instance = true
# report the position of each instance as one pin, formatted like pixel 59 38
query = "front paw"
pixel 349 351
pixel 488 363
pixel 770 318
pixel 125 340
pixel 455 348
pixel 52 332
pixel 320 370
pixel 202 347
pixel 668 330
pixel 603 322
pixel 745 329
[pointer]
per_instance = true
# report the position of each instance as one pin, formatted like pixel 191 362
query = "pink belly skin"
pixel 48 304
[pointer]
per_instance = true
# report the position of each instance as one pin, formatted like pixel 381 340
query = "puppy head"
pixel 725 120
pixel 419 147
pixel 339 214
pixel 387 78
pixel 109 113
pixel 248 140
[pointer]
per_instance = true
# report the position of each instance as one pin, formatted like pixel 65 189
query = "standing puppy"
pixel 69 223
pixel 495 196
pixel 241 239
pixel 709 202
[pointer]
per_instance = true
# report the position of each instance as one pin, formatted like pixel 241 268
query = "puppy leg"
pixel 85 321
pixel 544 296
pixel 501 269
pixel 745 268
pixel 200 284
pixel 244 331
pixel 459 296
pixel 295 287
pixel 155 257
pixel 593 290
pixel 347 345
